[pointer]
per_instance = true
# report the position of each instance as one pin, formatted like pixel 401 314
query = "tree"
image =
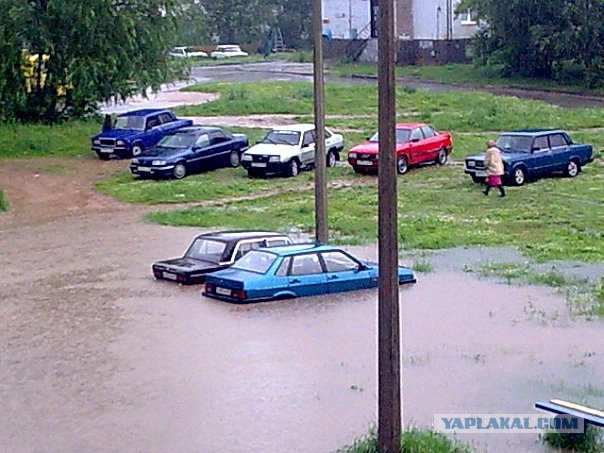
pixel 559 39
pixel 83 53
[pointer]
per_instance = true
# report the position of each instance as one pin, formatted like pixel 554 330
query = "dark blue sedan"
pixel 532 153
pixel 294 271
pixel 188 150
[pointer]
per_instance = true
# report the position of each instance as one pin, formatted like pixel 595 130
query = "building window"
pixel 468 17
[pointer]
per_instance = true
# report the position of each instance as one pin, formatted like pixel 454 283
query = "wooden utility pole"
pixel 321 230
pixel 389 382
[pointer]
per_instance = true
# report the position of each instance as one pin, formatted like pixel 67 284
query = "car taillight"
pixel 209 288
pixel 238 294
pixel 181 278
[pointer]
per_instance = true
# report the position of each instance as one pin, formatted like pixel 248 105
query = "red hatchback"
pixel 416 143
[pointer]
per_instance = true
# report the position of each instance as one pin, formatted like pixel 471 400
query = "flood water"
pixel 96 356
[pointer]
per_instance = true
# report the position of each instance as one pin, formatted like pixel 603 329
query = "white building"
pixel 416 19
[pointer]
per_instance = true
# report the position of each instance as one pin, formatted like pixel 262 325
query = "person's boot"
pixel 501 191
pixel 486 191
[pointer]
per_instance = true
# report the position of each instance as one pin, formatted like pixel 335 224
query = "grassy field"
pixel 439 207
pixel 459 73
pixel 36 140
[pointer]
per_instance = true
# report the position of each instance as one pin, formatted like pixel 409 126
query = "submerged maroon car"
pixel 416 143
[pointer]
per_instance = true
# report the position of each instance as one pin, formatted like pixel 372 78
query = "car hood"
pixel 373 148
pixel 118 134
pixel 271 149
pixel 185 264
pixel 505 156
pixel 160 151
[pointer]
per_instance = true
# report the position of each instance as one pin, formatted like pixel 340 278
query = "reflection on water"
pixel 96 356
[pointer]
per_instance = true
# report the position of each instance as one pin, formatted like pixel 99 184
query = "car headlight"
pixel 96 142
pixel 246 157
pixel 274 159
pixel 158 162
pixel 135 161
pixel 352 155
pixel 121 143
pixel 470 163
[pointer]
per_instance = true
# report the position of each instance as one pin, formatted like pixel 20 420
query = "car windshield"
pixel 177 141
pixel 255 261
pixel 206 250
pixel 282 137
pixel 514 143
pixel 134 123
pixel 402 136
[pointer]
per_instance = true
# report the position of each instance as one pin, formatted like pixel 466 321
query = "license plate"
pixel 259 164
pixel 480 173
pixel 223 291
pixel 364 162
pixel 169 275
pixel 106 150
pixel 146 169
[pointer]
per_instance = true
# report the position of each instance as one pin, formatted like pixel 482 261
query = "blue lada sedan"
pixel 296 270
pixel 189 150
pixel 533 153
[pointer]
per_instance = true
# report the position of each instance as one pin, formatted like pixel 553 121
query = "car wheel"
pixel 477 179
pixel 401 165
pixel 332 158
pixel 235 159
pixel 294 168
pixel 441 158
pixel 572 169
pixel 519 176
pixel 137 149
pixel 180 170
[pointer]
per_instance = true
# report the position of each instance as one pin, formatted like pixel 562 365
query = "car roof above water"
pixel 293 249
pixel 532 132
pixel 236 235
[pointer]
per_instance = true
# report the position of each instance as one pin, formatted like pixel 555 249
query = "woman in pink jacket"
pixel 494 165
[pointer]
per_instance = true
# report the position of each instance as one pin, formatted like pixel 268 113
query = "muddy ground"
pixel 97 356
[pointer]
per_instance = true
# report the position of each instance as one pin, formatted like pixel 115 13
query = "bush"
pixel 590 442
pixel 3 201
pixel 414 440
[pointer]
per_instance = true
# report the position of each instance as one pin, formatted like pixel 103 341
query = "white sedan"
pixel 289 149
pixel 228 51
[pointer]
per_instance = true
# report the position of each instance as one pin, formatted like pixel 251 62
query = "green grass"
pixel 439 208
pixel 459 73
pixel 252 58
pixel 592 441
pixel 413 440
pixel 455 111
pixel 35 140
pixel 422 266
pixel 3 201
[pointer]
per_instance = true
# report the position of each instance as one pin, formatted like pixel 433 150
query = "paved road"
pixel 303 71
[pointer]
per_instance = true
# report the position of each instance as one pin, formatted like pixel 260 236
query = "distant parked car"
pixel 190 149
pixel 289 149
pixel 416 143
pixel 227 51
pixel 532 153
pixel 211 252
pixel 136 131
pixel 186 52
pixel 294 271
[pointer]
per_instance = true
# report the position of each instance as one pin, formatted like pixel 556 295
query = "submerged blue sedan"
pixel 296 270
pixel 188 150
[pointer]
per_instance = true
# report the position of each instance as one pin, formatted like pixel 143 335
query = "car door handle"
pixel 333 277
pixel 294 280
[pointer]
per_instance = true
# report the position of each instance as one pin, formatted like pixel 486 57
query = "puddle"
pixel 97 356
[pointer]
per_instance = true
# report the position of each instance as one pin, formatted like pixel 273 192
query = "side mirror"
pixel 414 140
pixel 362 267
